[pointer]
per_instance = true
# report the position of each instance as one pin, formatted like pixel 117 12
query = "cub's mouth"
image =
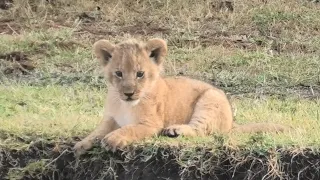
pixel 132 102
pixel 130 99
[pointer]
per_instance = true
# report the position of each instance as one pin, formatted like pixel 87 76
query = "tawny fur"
pixel 170 106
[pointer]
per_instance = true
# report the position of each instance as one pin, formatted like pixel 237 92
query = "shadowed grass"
pixel 60 55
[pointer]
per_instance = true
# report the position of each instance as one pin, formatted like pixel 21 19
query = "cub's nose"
pixel 128 94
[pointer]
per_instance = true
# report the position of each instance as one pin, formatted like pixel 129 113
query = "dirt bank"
pixel 46 161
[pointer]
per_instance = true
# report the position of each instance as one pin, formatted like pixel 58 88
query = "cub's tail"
pixel 260 127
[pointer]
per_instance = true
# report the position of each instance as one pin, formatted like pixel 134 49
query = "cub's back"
pixel 188 86
pixel 181 97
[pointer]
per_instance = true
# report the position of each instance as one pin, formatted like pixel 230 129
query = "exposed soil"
pixel 9 26
pixel 158 163
pixel 18 61
pixel 6 4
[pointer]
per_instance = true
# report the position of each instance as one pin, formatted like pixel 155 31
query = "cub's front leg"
pixel 106 126
pixel 124 136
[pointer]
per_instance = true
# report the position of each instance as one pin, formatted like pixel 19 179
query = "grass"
pixel 67 77
pixel 41 112
pixel 264 55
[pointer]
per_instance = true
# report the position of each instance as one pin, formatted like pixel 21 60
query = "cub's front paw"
pixel 178 130
pixel 114 141
pixel 81 147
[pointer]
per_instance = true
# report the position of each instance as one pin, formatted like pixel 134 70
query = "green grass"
pixel 49 111
pixel 55 112
pixel 264 54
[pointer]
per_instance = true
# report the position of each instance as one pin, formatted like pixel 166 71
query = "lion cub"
pixel 141 103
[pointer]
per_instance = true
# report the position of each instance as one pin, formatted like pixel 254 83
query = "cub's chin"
pixel 131 102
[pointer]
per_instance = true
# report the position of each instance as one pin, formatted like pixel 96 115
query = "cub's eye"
pixel 118 74
pixel 140 74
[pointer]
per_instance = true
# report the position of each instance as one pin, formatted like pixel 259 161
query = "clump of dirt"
pixel 145 29
pixel 9 26
pixel 86 18
pixel 223 5
pixel 6 4
pixel 17 61
pixel 136 29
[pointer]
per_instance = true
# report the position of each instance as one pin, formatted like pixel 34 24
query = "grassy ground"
pixel 264 54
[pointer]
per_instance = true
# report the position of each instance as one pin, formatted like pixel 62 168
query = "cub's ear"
pixel 157 49
pixel 103 50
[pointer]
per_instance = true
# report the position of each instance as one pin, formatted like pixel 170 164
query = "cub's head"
pixel 131 67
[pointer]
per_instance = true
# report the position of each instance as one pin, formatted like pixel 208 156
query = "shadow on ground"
pixel 52 161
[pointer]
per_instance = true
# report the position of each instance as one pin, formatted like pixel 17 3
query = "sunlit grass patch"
pixel 50 112
pixel 63 112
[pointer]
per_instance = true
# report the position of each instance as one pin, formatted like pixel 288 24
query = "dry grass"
pixel 265 51
pixel 264 54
